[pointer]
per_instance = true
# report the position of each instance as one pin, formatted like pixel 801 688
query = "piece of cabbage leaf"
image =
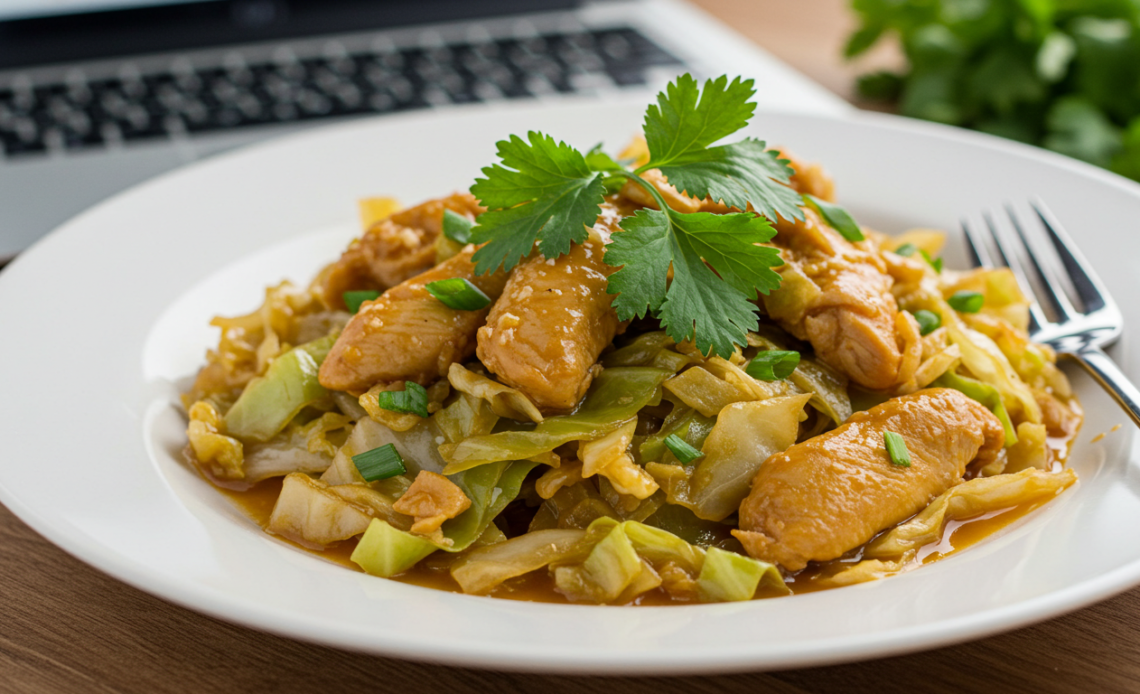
pixel 614 398
pixel 269 402
pixel 897 550
pixel 627 558
pixel 745 435
pixel 983 393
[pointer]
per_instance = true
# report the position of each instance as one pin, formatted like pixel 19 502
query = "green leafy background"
pixel 1063 74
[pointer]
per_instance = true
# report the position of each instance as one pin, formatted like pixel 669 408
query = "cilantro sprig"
pixel 547 192
pixel 543 190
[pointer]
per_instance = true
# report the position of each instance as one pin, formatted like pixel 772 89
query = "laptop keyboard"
pixel 73 116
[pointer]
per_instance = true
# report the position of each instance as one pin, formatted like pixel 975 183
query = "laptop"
pixel 98 95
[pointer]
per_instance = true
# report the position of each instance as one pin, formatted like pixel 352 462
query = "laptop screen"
pixel 23 9
pixel 38 32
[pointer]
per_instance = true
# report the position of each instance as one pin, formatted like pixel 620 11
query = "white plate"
pixel 102 317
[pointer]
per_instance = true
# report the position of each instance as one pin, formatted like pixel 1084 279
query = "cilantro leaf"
pixel 713 311
pixel 683 125
pixel 687 120
pixel 598 160
pixel 738 174
pixel 543 190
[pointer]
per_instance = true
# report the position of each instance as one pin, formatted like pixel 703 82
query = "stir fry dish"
pixel 678 374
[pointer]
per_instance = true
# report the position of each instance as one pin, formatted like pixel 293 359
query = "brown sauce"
pixel 257 502
pixel 957 535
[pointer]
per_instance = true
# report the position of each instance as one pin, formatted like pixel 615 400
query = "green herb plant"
pixel 1064 74
pixel 547 192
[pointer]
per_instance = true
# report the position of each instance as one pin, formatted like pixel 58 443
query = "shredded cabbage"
pixel 401 421
pixel 649 349
pixel 985 394
pixel 314 514
pixel 222 455
pixel 971 498
pixel 629 558
pixel 746 434
pixel 504 401
pixel 684 421
pixel 269 402
pixel 717 383
pixel 608 456
pixel 484 569
pixel 895 551
pixel 615 396
pixel 300 448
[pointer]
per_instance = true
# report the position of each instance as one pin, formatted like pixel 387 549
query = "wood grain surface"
pixel 65 627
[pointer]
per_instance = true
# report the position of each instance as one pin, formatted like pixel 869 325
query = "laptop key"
pixel 77 114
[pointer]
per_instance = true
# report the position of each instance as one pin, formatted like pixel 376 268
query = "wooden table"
pixel 65 627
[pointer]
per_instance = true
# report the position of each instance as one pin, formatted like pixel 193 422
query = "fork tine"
pixel 1051 280
pixel 1088 286
pixel 976 244
pixel 1008 248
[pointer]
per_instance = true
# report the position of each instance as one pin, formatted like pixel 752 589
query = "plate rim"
pixel 215 603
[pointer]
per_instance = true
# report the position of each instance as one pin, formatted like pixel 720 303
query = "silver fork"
pixel 1079 333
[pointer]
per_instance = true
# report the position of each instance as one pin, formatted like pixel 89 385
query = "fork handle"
pixel 1101 367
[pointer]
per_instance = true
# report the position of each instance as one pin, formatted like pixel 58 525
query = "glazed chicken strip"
pixel 544 335
pixel 394 249
pixel 407 334
pixel 847 311
pixel 830 494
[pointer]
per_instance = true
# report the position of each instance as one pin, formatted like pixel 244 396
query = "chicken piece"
pixel 394 249
pixel 842 302
pixel 431 500
pixel 544 336
pixel 826 496
pixel 407 334
pixel 810 179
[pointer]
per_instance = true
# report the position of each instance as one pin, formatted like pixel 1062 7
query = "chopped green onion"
pixel 928 321
pixel 353 300
pixel 457 227
pixel 935 263
pixel 907 250
pixel 966 301
pixel 459 294
pixel 379 463
pixel 412 399
pixel 896 449
pixel 684 452
pixel 837 218
pixel 773 365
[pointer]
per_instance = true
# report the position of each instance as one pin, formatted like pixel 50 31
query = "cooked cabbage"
pixel 316 515
pixel 827 386
pixel 630 558
pixel 222 455
pixel 895 551
pixel 985 394
pixel 484 569
pixel 300 448
pixel 401 421
pixel 746 434
pixel 504 401
pixel 615 397
pixel 269 402
pixel 386 551
pixel 971 498
pixel 608 456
